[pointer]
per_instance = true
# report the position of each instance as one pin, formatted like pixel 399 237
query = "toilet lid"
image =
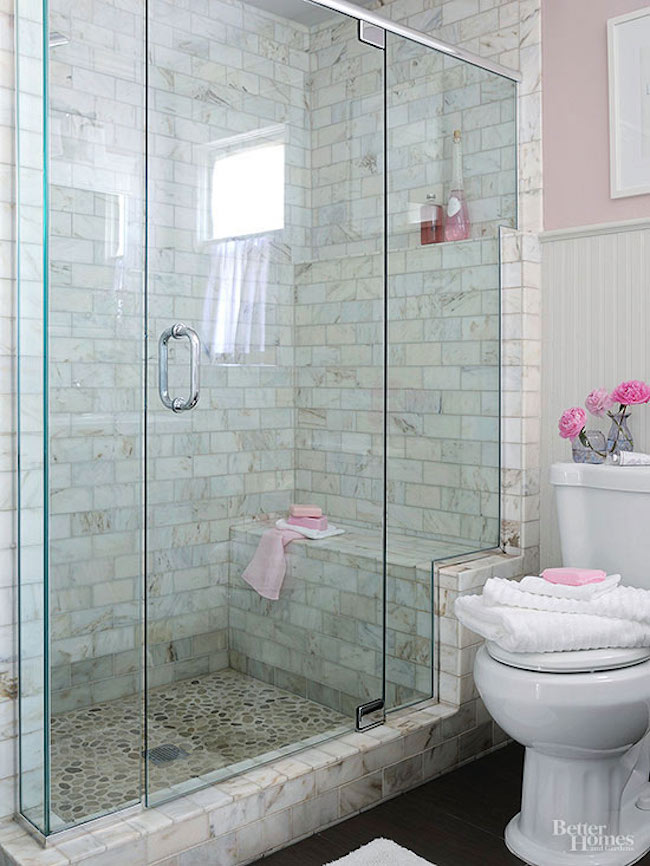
pixel 573 661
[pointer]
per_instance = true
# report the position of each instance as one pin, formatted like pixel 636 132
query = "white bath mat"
pixel 381 852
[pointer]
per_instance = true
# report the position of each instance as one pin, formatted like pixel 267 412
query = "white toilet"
pixel 584 716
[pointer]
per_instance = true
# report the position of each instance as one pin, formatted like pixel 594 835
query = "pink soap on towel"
pixel 319 523
pixel 573 576
pixel 305 511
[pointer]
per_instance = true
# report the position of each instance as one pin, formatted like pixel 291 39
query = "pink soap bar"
pixel 573 576
pixel 305 511
pixel 319 523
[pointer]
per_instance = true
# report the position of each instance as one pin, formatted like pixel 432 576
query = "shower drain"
pixel 165 754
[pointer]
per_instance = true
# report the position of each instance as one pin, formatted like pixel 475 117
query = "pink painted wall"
pixel 576 115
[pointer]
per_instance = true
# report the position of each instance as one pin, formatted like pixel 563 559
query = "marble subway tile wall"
pixel 443 465
pixel 339 290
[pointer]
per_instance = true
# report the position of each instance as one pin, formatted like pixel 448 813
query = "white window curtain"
pixel 234 310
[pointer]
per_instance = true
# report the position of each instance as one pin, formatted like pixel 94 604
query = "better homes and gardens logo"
pixel 591 837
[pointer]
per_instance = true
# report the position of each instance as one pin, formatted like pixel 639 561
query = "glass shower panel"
pixel 443 452
pixel 30 225
pixel 95 400
pixel 266 274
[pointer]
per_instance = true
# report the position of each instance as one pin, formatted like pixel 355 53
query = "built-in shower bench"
pixel 361 543
pixel 323 638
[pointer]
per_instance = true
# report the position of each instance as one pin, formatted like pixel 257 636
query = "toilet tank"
pixel 604 518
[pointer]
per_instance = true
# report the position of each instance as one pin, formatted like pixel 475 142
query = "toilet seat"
pixel 571 662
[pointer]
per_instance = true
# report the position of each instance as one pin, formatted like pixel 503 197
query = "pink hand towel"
pixel 266 570
pixel 305 511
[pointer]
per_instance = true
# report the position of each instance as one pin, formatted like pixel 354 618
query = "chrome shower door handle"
pixel 178 331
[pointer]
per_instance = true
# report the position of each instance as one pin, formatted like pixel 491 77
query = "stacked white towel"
pixel 528 631
pixel 586 592
pixel 623 602
pixel 521 620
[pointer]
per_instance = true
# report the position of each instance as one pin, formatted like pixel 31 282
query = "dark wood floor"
pixel 456 820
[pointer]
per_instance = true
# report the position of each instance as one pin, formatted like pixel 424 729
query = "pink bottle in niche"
pixel 457 217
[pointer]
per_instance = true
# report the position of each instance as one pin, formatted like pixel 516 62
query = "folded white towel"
pixel 586 592
pixel 314 534
pixel 624 602
pixel 522 630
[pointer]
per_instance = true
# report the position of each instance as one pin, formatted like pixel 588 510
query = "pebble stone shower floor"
pixel 210 722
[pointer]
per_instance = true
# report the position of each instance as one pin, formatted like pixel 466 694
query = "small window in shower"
pixel 243 188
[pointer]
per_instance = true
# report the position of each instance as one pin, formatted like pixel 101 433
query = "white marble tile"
pixel 223 851
pixel 177 838
pixel 264 835
pixel 360 794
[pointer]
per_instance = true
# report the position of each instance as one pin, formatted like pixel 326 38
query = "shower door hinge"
pixel 370 715
pixel 372 34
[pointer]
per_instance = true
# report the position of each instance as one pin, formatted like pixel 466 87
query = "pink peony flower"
pixel 631 393
pixel 599 402
pixel 572 422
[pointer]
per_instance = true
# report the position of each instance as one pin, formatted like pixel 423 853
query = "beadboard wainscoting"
pixel 595 321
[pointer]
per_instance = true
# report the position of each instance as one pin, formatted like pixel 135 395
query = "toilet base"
pixel 534 854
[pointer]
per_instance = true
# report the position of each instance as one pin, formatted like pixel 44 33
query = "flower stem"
pixel 618 420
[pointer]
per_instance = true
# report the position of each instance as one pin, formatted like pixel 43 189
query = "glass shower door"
pixel 265 383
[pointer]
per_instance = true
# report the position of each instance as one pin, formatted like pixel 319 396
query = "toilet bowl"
pixel 583 716
pixel 585 729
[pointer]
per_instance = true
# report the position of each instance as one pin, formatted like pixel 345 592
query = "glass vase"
pixel 619 437
pixel 584 454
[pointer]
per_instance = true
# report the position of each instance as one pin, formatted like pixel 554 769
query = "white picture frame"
pixel 628 51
